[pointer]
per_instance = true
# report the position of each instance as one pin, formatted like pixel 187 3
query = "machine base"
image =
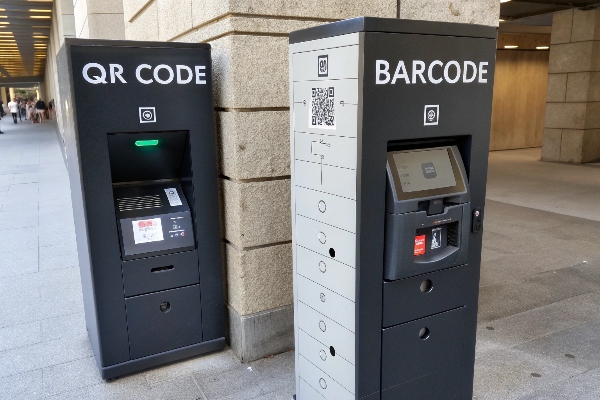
pixel 114 371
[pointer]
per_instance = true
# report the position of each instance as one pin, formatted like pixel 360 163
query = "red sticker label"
pixel 419 245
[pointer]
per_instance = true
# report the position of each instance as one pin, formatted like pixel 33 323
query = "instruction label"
pixel 147 230
pixel 173 197
pixel 436 238
pixel 419 245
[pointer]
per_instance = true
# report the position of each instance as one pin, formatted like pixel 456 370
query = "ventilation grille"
pixel 139 203
pixel 453 234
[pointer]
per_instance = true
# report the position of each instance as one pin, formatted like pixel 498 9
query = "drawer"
pixel 321 382
pixel 446 384
pixel 342 63
pixel 422 295
pixel 146 275
pixel 333 150
pixel 307 392
pixel 327 208
pixel 326 240
pixel 327 361
pixel 325 178
pixel 163 321
pixel 425 346
pixel 327 331
pixel 327 107
pixel 326 302
pixel 334 275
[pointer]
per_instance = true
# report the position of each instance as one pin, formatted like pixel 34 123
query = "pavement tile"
pixel 20 335
pixel 249 381
pixel 71 376
pixel 585 386
pixel 24 386
pixel 507 374
pixel 540 322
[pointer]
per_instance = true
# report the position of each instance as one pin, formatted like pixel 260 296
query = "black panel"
pixel 152 161
pixel 152 274
pixel 393 115
pixel 163 321
pixel 412 298
pixel 92 111
pixel 371 24
pixel 422 347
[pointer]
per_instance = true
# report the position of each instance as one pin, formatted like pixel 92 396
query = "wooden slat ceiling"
pixel 24 33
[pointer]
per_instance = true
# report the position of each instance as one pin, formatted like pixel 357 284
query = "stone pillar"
pixel 100 19
pixel 249 39
pixel 11 93
pixel 3 94
pixel 572 125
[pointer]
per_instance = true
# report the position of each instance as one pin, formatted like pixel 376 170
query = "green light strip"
pixel 146 142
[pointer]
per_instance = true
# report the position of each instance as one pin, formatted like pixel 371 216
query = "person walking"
pixel 14 109
pixel 41 110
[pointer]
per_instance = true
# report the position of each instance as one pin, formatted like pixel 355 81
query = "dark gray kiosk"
pixel 140 148
pixel 390 126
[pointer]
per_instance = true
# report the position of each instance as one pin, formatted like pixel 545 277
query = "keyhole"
pixel 323 355
pixel 322 206
pixel 165 306
pixel 322 266
pixel 322 326
pixel 424 333
pixel 322 237
pixel 426 286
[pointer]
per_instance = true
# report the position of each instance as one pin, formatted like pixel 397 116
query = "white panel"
pixel 325 178
pixel 319 380
pixel 333 150
pixel 307 392
pixel 341 63
pixel 334 366
pixel 326 331
pixel 326 240
pixel 334 275
pixel 326 302
pixel 327 208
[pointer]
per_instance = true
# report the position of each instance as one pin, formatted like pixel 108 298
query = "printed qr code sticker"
pixel 322 108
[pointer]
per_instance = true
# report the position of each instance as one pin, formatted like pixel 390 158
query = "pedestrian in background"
pixel 41 110
pixel 14 109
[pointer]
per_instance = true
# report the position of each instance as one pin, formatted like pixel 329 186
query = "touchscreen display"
pixel 424 170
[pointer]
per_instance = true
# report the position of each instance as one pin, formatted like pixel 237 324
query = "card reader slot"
pixel 162 269
pixel 418 243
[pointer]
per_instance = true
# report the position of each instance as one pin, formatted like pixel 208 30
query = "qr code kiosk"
pixel 390 123
pixel 144 188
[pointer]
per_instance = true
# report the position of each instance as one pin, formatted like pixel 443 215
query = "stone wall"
pixel 99 19
pixel 249 39
pixel 572 125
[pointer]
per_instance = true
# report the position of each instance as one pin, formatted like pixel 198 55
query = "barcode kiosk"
pixel 144 188
pixel 390 124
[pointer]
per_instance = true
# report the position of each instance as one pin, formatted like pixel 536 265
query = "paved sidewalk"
pixel 44 349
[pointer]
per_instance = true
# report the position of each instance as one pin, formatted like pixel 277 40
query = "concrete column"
pixel 572 124
pixel 11 93
pixel 100 19
pixel 3 94
pixel 249 39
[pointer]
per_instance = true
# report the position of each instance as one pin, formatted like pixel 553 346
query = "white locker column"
pixel 324 122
